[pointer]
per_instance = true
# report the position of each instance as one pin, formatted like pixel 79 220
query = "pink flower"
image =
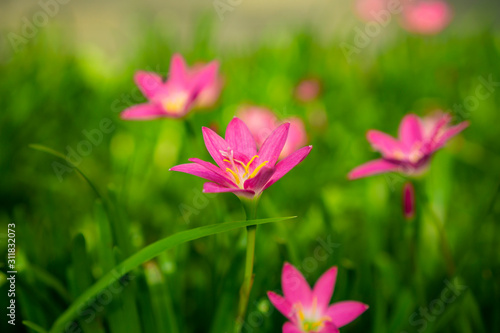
pixel 262 122
pixel 209 95
pixel 307 90
pixel 175 97
pixel 412 151
pixel 309 310
pixel 368 10
pixel 426 17
pixel 408 200
pixel 240 169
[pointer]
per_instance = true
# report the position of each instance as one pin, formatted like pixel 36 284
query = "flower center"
pixel 310 320
pixel 176 102
pixel 239 170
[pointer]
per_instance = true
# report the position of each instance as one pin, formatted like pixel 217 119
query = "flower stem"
pixel 251 212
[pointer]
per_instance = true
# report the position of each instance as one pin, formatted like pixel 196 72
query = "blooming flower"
pixel 175 97
pixel 261 122
pixel 411 152
pixel 309 310
pixel 240 169
pixel 308 90
pixel 426 17
pixel 408 200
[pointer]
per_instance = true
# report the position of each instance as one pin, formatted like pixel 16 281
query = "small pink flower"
pixel 240 169
pixel 426 17
pixel 261 122
pixel 368 10
pixel 209 95
pixel 175 97
pixel 308 310
pixel 411 152
pixel 408 200
pixel 307 90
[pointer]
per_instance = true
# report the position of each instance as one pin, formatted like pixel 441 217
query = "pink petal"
pixel 200 171
pixel 382 142
pixel 372 168
pixel 178 70
pixel 205 77
pixel 295 287
pixel 257 183
pixel 410 131
pixel 323 289
pixel 281 304
pixel 216 188
pixel 451 132
pixel 238 136
pixel 212 168
pixel 329 328
pixel 287 164
pixel 272 147
pixel 214 145
pixel 149 83
pixel 291 328
pixel 144 111
pixel 342 313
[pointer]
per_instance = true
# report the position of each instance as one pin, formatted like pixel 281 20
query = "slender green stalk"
pixel 250 207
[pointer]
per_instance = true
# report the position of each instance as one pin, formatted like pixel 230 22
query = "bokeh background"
pixel 77 69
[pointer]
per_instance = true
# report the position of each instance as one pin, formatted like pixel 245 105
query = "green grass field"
pixel 69 234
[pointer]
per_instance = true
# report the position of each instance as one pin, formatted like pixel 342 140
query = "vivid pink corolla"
pixel 308 310
pixel 426 17
pixel 175 97
pixel 411 152
pixel 240 168
pixel 261 122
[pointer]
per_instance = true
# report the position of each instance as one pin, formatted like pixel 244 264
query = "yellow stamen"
pixel 247 166
pixel 228 161
pixel 236 177
pixel 256 171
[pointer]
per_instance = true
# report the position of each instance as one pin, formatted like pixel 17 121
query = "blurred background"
pixel 67 66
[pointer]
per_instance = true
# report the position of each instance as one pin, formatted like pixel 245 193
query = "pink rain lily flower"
pixel 307 309
pixel 175 97
pixel 411 152
pixel 262 122
pixel 240 168
pixel 426 17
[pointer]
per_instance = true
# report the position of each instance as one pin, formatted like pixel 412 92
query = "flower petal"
pixel 272 147
pixel 238 136
pixel 372 168
pixel 287 164
pixel 257 183
pixel 323 289
pixel 178 70
pixel 342 313
pixel 214 145
pixel 205 77
pixel 410 131
pixel 148 82
pixel 291 328
pixel 329 328
pixel 281 304
pixel 449 133
pixel 382 142
pixel 144 111
pixel 216 188
pixel 295 287
pixel 201 171
pixel 213 168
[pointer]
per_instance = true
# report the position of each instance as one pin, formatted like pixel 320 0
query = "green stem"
pixel 250 207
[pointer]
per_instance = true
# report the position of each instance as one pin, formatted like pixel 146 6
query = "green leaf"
pixel 144 255
pixel 33 326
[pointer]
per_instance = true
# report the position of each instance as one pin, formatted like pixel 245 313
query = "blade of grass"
pixel 33 326
pixel 146 254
